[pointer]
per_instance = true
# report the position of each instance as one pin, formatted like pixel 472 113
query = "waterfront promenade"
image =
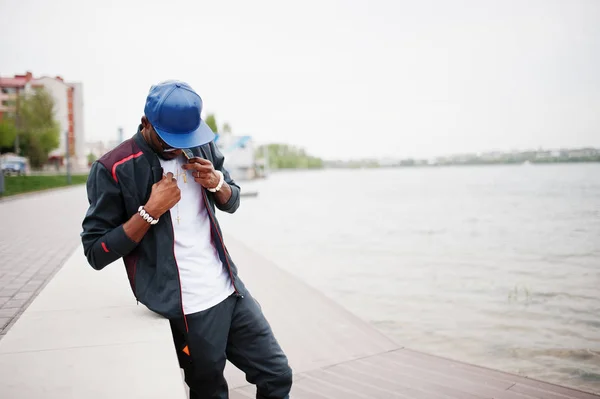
pixel 85 336
pixel 38 232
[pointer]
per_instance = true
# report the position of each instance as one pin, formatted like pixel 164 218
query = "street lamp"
pixel 68 159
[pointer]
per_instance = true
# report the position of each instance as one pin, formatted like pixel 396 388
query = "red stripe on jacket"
pixel 122 161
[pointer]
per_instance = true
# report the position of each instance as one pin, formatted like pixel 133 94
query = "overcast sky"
pixel 341 78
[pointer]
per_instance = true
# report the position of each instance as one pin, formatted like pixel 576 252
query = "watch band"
pixel 221 181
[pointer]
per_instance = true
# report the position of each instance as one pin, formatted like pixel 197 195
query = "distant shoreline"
pixel 367 166
pixel 581 155
pixel 438 165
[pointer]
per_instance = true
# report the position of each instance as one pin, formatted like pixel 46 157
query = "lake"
pixel 493 265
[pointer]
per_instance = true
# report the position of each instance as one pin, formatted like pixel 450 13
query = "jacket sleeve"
pixel 103 237
pixel 218 162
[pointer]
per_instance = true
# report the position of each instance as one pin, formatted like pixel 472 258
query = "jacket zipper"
pixel 179 279
pixel 153 160
pixel 214 225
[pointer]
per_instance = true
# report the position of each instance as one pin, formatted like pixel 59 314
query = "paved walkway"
pixel 38 233
pixel 117 349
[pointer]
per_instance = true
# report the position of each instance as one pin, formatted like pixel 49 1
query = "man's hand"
pixel 203 172
pixel 165 194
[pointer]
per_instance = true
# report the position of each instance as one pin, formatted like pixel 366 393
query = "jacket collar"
pixel 149 154
pixel 144 146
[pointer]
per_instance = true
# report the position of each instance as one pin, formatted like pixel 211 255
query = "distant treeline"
pixel 497 158
pixel 283 156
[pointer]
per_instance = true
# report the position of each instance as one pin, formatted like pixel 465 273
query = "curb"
pixel 28 194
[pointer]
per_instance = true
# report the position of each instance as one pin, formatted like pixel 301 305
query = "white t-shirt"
pixel 204 281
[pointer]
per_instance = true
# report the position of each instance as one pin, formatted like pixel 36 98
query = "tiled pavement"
pixel 38 232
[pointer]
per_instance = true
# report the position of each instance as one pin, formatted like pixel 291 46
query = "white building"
pixel 68 112
pixel 78 126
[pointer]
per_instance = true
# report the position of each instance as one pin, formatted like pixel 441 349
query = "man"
pixel 152 203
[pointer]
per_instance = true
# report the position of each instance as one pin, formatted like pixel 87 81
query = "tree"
pixel 38 132
pixel 91 158
pixel 226 128
pixel 211 121
pixel 8 133
pixel 283 156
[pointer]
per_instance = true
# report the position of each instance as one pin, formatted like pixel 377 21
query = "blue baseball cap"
pixel 173 108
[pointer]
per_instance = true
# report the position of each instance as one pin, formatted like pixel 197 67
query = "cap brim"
pixel 198 137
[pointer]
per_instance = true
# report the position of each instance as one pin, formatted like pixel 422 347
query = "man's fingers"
pixel 196 173
pixel 200 180
pixel 202 176
pixel 205 169
pixel 199 160
pixel 195 167
pixel 169 177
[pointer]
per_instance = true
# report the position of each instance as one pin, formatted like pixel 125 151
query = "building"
pixel 10 89
pixel 583 153
pixel 239 152
pixel 68 110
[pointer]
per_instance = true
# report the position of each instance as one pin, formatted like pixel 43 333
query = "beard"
pixel 167 156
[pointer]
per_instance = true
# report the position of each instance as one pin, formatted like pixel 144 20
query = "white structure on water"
pixel 239 152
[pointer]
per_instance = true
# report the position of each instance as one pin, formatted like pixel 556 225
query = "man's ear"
pixel 145 121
